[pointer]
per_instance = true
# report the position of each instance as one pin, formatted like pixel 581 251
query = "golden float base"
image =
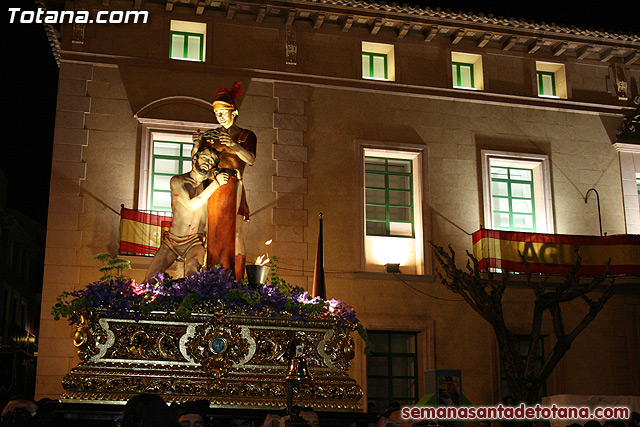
pixel 231 360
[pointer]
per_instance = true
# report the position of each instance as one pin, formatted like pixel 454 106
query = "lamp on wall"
pixel 392 268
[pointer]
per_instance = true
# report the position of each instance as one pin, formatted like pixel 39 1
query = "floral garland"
pixel 122 296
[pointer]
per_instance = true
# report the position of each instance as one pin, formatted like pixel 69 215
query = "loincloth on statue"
pixel 180 245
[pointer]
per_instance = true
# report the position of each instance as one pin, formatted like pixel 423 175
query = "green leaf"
pixel 104 257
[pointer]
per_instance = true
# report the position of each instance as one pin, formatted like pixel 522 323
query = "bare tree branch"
pixel 484 295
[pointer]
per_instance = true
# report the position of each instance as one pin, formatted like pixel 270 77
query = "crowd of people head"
pixel 151 410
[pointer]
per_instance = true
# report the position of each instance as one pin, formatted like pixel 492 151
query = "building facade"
pixel 403 126
pixel 21 246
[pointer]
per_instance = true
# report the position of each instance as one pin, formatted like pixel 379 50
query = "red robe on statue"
pixel 221 233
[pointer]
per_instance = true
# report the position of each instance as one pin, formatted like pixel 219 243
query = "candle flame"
pixel 262 260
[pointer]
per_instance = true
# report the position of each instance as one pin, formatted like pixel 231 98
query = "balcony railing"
pixel 556 253
pixel 141 231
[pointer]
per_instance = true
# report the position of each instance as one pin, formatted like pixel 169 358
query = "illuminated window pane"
pixel 512 198
pixel 463 75
pixel 522 222
pixel 497 172
pixel 499 188
pixel 161 182
pixel 366 65
pixel 389 197
pixel 374 65
pixel 161 148
pixel 166 166
pixel 522 206
pixel 379 67
pixel 400 229
pixel 169 158
pixel 501 220
pixel 194 47
pixel 177 46
pixel 162 200
pixel 501 204
pixel 186 45
pixel 520 174
pixel 546 83
pixel 520 190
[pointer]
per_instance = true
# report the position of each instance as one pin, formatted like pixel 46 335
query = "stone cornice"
pixel 415 23
pixel 429 25
pixel 385 87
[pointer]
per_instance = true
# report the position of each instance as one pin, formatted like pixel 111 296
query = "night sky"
pixel 31 83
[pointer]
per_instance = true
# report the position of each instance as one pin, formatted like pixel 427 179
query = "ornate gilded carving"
pixel 144 341
pixel 226 357
pixel 89 335
pixel 217 345
pixel 340 348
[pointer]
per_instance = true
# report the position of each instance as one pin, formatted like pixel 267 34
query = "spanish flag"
pixel 141 232
pixel 556 253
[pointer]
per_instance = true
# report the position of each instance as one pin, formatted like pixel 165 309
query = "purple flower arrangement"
pixel 214 287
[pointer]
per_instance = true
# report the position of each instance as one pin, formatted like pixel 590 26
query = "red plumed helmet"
pixel 226 98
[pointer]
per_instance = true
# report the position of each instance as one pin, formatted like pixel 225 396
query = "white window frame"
pixel 543 200
pixel 382 49
pixel 199 28
pixel 376 251
pixel 560 77
pixel 475 61
pixel 154 129
pixel 629 172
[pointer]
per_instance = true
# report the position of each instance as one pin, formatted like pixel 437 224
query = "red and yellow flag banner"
pixel 556 253
pixel 141 232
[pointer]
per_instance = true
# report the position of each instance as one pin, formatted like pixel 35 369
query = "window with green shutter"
pixel 188 46
pixel 374 66
pixel 546 83
pixel 512 199
pixel 392 368
pixel 389 197
pixel 462 75
pixel 169 158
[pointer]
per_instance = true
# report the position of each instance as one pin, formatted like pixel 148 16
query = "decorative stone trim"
pixel 289 183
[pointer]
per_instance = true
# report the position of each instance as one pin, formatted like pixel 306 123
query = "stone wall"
pixel 308 119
